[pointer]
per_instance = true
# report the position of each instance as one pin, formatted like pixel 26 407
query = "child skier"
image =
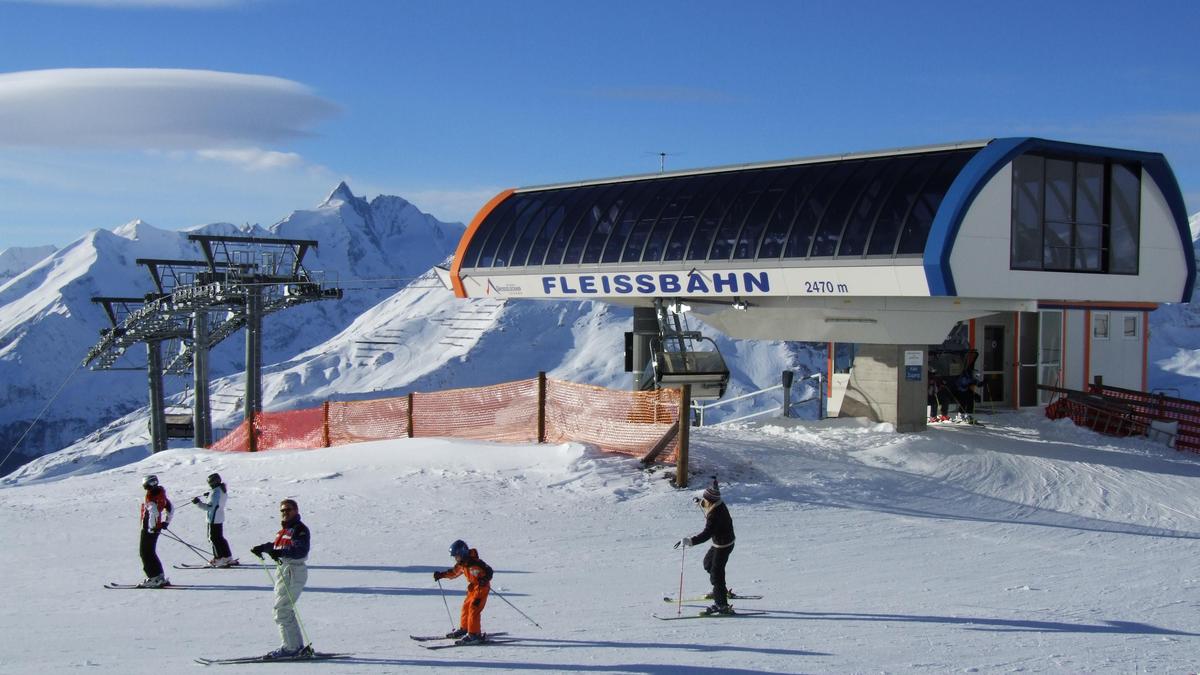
pixel 155 516
pixel 479 578
pixel 215 509
pixel 718 525
pixel 290 553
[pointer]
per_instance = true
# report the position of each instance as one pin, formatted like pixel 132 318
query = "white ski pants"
pixel 289 583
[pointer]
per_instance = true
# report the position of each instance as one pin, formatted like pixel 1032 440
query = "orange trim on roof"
pixel 456 266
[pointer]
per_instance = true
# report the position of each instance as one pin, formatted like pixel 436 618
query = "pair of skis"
pixel 139 587
pixel 310 656
pixel 206 566
pixel 443 642
pixel 706 615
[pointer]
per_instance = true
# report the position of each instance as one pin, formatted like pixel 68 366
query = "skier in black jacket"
pixel 718 526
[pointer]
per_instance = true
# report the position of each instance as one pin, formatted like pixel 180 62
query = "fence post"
pixel 325 423
pixel 541 422
pixel 411 401
pixel 252 435
pixel 787 392
pixel 685 426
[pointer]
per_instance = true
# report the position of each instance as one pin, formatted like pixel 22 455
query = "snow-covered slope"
pixel 1027 546
pixel 17 259
pixel 1174 357
pixel 48 322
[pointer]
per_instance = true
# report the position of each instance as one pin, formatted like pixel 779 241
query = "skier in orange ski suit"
pixel 479 577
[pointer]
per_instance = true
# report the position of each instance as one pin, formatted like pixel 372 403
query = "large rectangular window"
pixel 1074 215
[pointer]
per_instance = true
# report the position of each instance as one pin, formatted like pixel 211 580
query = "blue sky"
pixel 262 106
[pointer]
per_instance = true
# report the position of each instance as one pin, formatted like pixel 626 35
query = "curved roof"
pixel 880 205
pixel 900 208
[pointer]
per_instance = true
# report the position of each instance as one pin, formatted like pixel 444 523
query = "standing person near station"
pixel 965 390
pixel 155 514
pixel 937 398
pixel 718 526
pixel 215 515
pixel 289 550
pixel 479 579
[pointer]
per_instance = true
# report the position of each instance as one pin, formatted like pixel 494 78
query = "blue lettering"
pixel 604 284
pixel 762 280
pixel 728 283
pixel 696 284
pixel 566 287
pixel 547 285
pixel 645 283
pixel 621 283
pixel 587 284
pixel 669 283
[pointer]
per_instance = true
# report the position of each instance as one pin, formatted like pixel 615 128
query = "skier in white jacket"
pixel 215 509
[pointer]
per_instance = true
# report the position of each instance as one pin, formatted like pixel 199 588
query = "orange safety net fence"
pixel 374 420
pixel 501 412
pixel 625 422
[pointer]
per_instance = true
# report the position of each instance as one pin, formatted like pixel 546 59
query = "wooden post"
pixel 252 432
pixel 685 426
pixel 541 422
pixel 325 423
pixel 411 402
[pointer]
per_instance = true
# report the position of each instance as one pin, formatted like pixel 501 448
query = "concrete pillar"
pixel 158 420
pixel 880 388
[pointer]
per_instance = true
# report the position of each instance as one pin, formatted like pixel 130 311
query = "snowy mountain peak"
pixel 340 194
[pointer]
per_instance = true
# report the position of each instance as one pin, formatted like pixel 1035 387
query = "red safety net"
pixel 358 421
pixel 501 412
pixel 625 422
pixel 291 429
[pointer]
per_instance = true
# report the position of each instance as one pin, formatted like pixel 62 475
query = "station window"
pixel 1129 326
pixel 1075 215
pixel 1100 326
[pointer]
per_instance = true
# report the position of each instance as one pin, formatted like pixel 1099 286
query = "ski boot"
pixel 470 639
pixel 456 633
pixel 718 609
pixel 154 582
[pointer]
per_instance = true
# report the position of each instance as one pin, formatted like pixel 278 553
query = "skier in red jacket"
pixel 155 515
pixel 479 577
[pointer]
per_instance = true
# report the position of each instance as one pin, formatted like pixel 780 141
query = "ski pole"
pixel 679 604
pixel 448 615
pixel 515 607
pixel 291 601
pixel 197 551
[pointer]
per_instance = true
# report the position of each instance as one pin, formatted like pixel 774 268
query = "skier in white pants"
pixel 290 552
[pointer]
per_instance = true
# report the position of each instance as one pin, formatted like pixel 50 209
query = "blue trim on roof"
pixel 994 156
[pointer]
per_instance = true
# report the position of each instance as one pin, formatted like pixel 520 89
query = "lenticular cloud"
pixel 154 108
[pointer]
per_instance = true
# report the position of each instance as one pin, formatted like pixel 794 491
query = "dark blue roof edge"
pixel 994 156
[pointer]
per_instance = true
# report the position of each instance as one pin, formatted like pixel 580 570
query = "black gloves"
pixel 438 576
pixel 195 500
pixel 259 550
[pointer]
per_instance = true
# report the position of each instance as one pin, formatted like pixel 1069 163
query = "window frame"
pixel 1096 316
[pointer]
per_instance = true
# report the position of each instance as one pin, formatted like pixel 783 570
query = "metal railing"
pixel 699 409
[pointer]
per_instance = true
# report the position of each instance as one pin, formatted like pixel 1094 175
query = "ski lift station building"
pixel 1044 256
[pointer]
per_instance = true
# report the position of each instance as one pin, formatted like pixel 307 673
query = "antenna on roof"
pixel 662 159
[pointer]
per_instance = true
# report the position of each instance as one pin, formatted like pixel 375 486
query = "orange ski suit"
pixel 479 578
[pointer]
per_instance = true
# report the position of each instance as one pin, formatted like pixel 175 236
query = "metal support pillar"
pixel 158 420
pixel 645 327
pixel 788 377
pixel 201 408
pixel 685 429
pixel 254 318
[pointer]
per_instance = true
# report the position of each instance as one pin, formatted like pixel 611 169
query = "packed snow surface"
pixel 1027 545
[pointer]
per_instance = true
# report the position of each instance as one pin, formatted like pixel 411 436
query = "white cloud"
pixel 147 108
pixel 253 159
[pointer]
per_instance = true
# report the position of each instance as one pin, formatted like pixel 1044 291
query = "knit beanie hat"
pixel 712 494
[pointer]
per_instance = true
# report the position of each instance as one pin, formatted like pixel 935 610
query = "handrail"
pixel 700 408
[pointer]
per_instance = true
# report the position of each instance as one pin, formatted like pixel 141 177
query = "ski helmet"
pixel 214 479
pixel 150 481
pixel 459 549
